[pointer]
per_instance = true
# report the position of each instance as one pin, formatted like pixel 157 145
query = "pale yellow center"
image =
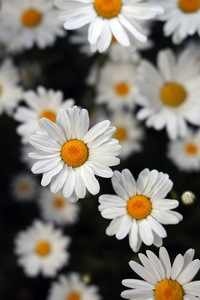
pixel 73 296
pixel 58 202
pixel 74 153
pixel 168 289
pixel 24 187
pixel 191 149
pixel 120 134
pixel 113 41
pixel 107 8
pixel 172 94
pixel 189 6
pixel 31 18
pixel 139 207
pixel 122 89
pixel 43 248
pixel 49 115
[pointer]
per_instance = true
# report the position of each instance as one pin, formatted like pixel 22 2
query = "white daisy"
pixel 10 91
pixel 117 85
pixel 182 18
pixel 106 18
pixel 161 280
pixel 27 23
pixel 41 249
pixel 24 187
pixel 72 287
pixel 58 209
pixel 69 155
pixel 140 207
pixel 188 198
pixel 185 152
pixel 170 94
pixel 41 104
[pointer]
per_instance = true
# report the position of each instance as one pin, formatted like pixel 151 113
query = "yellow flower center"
pixel 107 8
pixel 122 89
pixel 74 153
pixel 24 187
pixel 73 296
pixel 58 202
pixel 120 134
pixel 168 289
pixel 191 149
pixel 189 6
pixel 31 18
pixel 43 248
pixel 49 115
pixel 172 94
pixel 139 207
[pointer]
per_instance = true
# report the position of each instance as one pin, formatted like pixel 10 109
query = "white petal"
pixel 165 260
pixel 177 266
pixel 89 179
pixel 189 272
pixel 52 130
pixel 142 272
pixel 145 232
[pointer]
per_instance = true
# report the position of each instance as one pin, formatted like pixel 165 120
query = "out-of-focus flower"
pixel 24 24
pixel 69 155
pixel 41 104
pixel 161 280
pixel 30 73
pixel 58 209
pixel 185 152
pixel 119 18
pixel 73 288
pixel 140 207
pixel 188 198
pixel 169 95
pixel 41 249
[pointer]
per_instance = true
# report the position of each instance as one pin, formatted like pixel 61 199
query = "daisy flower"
pixel 117 85
pixel 72 287
pixel 41 104
pixel 140 207
pixel 169 95
pixel 28 23
pixel 41 249
pixel 182 18
pixel 161 280
pixel 69 155
pixel 185 152
pixel 120 18
pixel 56 208
pixel 10 91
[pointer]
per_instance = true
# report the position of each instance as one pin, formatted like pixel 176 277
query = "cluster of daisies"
pixel 72 148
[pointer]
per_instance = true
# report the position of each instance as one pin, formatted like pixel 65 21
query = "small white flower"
pixel 41 104
pixel 69 155
pixel 161 280
pixel 120 18
pixel 41 249
pixel 71 287
pixel 188 198
pixel 169 95
pixel 185 152
pixel 140 207
pixel 58 209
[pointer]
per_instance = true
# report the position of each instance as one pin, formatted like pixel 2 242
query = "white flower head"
pixel 188 198
pixel 41 104
pixel 42 249
pixel 69 155
pixel 163 280
pixel 24 24
pixel 57 209
pixel 140 207
pixel 169 95
pixel 72 287
pixel 107 18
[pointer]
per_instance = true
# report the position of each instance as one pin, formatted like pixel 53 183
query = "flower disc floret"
pixel 121 133
pixel 173 94
pixel 31 18
pixel 49 115
pixel 189 6
pixel 74 153
pixel 107 8
pixel 73 296
pixel 43 248
pixel 168 289
pixel 139 207
pixel 122 88
pixel 191 148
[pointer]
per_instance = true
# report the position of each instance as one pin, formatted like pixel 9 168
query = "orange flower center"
pixel 191 149
pixel 31 18
pixel 168 289
pixel 120 134
pixel 74 153
pixel 49 115
pixel 189 6
pixel 107 8
pixel 122 89
pixel 139 207
pixel 73 296
pixel 113 41
pixel 58 202
pixel 43 248
pixel 172 94
pixel 24 187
